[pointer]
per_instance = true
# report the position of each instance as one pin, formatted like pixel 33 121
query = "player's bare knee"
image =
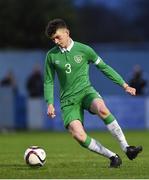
pixel 103 112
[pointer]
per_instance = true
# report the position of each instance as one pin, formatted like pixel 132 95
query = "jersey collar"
pixel 68 48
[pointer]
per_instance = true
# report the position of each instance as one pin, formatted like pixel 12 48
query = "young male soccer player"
pixel 70 60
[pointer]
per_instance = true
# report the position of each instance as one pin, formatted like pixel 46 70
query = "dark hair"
pixel 54 25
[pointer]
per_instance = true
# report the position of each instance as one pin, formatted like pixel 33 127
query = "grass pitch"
pixel 67 160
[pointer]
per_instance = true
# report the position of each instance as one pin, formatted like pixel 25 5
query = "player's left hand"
pixel 130 90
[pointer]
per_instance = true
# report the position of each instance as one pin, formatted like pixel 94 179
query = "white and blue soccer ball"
pixel 35 156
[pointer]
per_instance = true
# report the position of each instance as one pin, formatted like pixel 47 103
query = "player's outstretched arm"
pixel 129 89
pixel 51 111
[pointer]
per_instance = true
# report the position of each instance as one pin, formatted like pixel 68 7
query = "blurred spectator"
pixel 138 81
pixel 9 81
pixel 34 83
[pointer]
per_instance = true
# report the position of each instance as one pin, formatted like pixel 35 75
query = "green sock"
pixel 87 142
pixel 110 118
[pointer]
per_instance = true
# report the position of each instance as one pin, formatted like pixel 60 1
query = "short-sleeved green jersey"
pixel 72 68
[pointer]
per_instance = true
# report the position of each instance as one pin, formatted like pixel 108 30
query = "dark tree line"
pixel 142 21
pixel 22 22
pixel 100 24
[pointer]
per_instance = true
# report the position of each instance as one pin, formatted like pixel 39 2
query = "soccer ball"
pixel 35 156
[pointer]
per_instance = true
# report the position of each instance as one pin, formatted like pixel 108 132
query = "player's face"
pixel 61 38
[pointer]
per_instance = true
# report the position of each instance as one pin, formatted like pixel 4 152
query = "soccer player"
pixel 70 60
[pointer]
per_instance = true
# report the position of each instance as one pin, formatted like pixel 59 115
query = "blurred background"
pixel 117 29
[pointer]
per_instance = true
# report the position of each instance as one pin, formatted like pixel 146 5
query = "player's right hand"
pixel 51 111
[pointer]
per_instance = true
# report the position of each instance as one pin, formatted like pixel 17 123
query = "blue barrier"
pixel 20 112
pixel 129 111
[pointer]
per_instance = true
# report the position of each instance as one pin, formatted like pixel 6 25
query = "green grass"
pixel 66 159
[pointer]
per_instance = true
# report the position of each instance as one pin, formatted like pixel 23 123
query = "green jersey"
pixel 72 68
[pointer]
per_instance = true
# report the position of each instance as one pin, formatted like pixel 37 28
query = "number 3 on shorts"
pixel 68 68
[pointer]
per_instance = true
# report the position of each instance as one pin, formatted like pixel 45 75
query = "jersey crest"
pixel 78 58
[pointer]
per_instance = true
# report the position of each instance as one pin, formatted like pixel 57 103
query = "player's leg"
pixel 71 113
pixel 98 107
pixel 76 129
